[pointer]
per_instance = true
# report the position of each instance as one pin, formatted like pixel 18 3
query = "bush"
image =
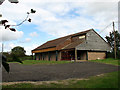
pixel 12 57
pixel 111 55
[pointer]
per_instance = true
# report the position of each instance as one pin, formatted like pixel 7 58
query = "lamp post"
pixel 2 48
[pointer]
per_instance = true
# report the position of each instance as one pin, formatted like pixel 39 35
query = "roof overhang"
pixel 44 50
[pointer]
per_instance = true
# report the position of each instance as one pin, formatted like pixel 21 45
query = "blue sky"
pixel 54 19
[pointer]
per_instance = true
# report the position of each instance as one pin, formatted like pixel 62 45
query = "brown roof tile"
pixel 55 42
pixel 73 44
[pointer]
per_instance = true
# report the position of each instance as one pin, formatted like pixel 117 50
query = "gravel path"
pixel 21 72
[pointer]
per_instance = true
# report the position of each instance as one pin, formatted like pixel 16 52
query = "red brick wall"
pixel 52 56
pixel 96 55
pixel 46 56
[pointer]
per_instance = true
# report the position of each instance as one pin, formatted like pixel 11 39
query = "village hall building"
pixel 86 45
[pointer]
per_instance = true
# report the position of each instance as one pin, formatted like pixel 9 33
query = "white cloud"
pixel 33 34
pixel 95 15
pixel 7 35
pixel 54 17
pixel 62 17
pixel 29 48
pixel 10 45
pixel 7 46
pixel 27 40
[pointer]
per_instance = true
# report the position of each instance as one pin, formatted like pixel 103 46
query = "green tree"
pixel 18 51
pixel 110 40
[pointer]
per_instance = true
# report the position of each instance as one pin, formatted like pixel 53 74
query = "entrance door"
pixel 81 55
pixel 67 55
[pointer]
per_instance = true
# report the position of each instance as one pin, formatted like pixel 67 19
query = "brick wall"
pixel 52 56
pixel 46 56
pixel 96 55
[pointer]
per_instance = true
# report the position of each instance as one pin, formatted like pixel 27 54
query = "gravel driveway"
pixel 21 72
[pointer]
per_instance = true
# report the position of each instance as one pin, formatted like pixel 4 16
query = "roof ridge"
pixel 55 42
pixel 70 35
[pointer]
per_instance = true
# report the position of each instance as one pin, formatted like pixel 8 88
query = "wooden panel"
pixel 59 55
pixel 44 50
pixel 75 54
pixel 94 42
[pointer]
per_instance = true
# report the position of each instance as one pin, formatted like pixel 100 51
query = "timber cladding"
pixel 96 55
pixel 44 50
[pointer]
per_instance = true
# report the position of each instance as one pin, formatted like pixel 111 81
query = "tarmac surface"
pixel 20 72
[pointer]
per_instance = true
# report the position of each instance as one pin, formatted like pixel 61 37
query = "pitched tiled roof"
pixel 55 42
pixel 73 44
pixel 52 43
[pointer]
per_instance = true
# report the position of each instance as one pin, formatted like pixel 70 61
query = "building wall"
pixel 37 56
pixel 96 55
pixel 45 56
pixel 59 55
pixel 52 56
pixel 94 42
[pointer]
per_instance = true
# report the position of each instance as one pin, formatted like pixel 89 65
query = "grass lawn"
pixel 108 61
pixel 30 62
pixel 108 80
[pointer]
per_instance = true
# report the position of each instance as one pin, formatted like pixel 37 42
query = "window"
pixel 81 37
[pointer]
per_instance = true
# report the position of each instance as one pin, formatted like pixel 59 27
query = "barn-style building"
pixel 86 45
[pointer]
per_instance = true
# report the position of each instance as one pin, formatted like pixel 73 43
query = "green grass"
pixel 108 61
pixel 108 80
pixel 30 62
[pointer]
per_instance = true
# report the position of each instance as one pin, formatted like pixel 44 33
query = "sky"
pixel 54 19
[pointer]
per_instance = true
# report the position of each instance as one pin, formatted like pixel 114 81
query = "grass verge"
pixel 108 61
pixel 108 80
pixel 30 62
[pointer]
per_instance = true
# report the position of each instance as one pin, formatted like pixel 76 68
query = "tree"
pixel 7 26
pixel 18 51
pixel 110 40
